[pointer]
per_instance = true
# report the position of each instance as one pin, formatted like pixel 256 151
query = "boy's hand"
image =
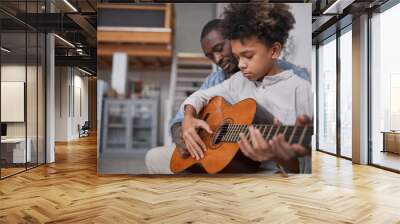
pixel 257 148
pixel 176 131
pixel 193 142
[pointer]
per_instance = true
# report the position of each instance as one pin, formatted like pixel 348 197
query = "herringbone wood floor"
pixel 69 191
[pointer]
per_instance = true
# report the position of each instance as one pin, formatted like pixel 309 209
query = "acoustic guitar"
pixel 227 122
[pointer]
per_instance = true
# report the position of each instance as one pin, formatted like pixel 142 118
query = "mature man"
pixel 218 50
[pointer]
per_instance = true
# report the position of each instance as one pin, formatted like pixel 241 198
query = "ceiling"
pixel 75 22
pixel 57 5
pixel 330 15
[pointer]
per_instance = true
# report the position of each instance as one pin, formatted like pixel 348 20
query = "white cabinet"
pixel 129 126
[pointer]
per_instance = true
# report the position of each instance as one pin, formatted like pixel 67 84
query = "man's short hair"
pixel 215 24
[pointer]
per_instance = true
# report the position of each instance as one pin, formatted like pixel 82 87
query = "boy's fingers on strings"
pixel 193 147
pixel 245 146
pixel 288 146
pixel 261 141
pixel 198 140
pixel 192 136
pixel 242 148
pixel 265 152
pixel 284 148
pixel 241 144
pixel 198 149
pixel 190 150
pixel 244 141
pixel 193 151
pixel 278 151
pixel 253 138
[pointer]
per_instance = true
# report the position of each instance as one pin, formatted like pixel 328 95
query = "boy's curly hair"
pixel 270 22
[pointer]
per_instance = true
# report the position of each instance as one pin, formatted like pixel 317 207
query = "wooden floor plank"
pixel 70 191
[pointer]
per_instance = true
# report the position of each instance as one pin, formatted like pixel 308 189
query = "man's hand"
pixel 176 132
pixel 193 142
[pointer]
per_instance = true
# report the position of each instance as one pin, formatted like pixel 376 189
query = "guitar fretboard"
pixel 293 134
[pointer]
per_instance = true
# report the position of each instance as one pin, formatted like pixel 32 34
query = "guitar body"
pixel 223 157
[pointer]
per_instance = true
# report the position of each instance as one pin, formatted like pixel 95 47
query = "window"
pixel 346 92
pixel 327 95
pixel 385 85
pixel 313 83
pixel 394 101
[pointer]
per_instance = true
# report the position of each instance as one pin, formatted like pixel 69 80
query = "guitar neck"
pixel 293 134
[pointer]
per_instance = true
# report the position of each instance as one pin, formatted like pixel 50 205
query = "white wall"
pixel 33 126
pixel 12 73
pixel 299 42
pixel 80 82
pixel 68 82
pixel 189 21
pixel 61 103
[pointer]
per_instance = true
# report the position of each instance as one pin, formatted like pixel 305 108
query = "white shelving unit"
pixel 129 126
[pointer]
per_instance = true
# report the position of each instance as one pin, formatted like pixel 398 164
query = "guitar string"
pixel 232 131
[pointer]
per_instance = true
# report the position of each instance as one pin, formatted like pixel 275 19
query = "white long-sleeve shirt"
pixel 284 95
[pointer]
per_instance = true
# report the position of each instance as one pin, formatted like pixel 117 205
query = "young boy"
pixel 258 32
